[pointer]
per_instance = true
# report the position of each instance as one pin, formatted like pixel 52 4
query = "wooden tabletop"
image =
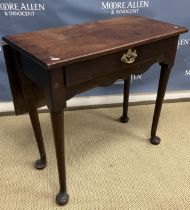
pixel 55 47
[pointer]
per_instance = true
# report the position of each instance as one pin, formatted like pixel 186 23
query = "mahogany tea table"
pixel 50 66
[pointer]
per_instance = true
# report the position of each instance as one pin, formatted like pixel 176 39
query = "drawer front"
pixel 91 69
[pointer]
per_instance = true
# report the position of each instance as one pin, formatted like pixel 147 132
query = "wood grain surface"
pixel 56 47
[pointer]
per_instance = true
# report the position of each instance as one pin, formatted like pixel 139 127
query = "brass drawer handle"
pixel 129 57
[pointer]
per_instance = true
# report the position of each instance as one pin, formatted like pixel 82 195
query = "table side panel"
pixel 51 84
pixel 33 70
pixel 14 81
pixel 36 76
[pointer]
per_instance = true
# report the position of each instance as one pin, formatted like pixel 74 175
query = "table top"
pixel 55 47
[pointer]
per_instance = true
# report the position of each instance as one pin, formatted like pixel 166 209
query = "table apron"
pixel 87 70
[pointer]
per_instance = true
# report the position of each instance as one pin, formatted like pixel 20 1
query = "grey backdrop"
pixel 28 15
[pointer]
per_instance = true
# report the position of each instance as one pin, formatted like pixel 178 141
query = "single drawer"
pixel 120 61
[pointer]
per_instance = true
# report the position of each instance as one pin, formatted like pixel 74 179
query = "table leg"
pixel 124 118
pixel 57 119
pixel 164 76
pixel 33 113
